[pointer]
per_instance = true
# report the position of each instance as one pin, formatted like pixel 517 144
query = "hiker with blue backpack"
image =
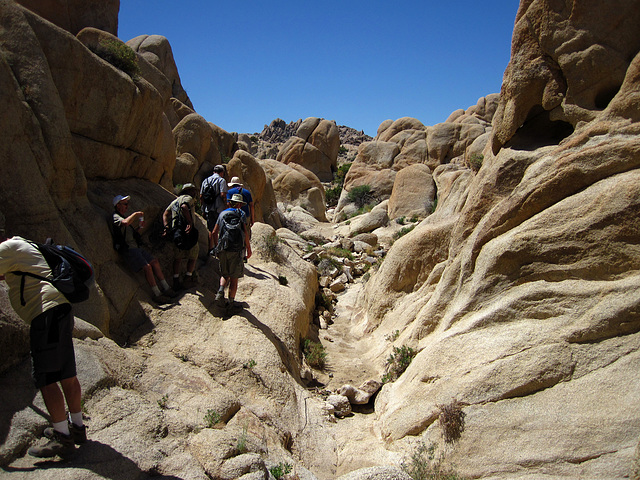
pixel 47 310
pixel 235 186
pixel 231 237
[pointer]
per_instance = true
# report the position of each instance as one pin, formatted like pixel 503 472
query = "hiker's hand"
pixel 249 252
pixel 188 228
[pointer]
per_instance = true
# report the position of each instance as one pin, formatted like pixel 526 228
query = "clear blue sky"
pixel 246 63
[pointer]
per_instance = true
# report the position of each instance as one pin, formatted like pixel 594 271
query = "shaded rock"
pixel 341 405
pixel 74 15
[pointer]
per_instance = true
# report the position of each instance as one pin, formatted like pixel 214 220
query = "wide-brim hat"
pixel 188 186
pixel 118 198
pixel 237 198
pixel 235 181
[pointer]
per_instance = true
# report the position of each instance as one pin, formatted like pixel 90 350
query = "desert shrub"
pixel 280 470
pixel 341 173
pixel 342 150
pixel 119 55
pixel 332 195
pixel 283 280
pixel 211 418
pixel 360 195
pixel 451 420
pixel 314 353
pixel 162 403
pixel 397 363
pixel 270 246
pixel 425 465
pixel 403 231
pixel 475 161
pixel 340 252
pixel 241 444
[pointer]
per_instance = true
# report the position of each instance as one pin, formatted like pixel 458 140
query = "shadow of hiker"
pixel 102 459
pixel 259 276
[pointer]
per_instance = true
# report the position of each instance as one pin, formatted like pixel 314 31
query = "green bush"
pixel 119 55
pixel 314 353
pixel 341 173
pixel 360 195
pixel 332 195
pixel 425 465
pixel 398 362
pixel 475 161
pixel 283 280
pixel 211 418
pixel 403 231
pixel 280 470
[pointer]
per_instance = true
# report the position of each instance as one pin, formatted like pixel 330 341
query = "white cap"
pixel 118 198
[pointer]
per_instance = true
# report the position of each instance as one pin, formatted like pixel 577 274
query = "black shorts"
pixel 52 354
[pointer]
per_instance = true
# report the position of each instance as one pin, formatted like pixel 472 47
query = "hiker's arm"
pixel 252 214
pixel 214 234
pixel 132 218
pixel 166 221
pixel 247 243
pixel 187 215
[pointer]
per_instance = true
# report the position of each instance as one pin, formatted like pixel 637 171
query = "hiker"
pixel 50 317
pixel 213 197
pixel 235 186
pixel 123 231
pixel 178 220
pixel 231 237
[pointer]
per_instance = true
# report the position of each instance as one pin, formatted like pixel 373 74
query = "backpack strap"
pixel 23 302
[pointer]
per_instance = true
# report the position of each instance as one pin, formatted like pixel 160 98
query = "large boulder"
pixel 413 194
pixel 74 15
pixel 315 147
pixel 567 64
pixel 294 185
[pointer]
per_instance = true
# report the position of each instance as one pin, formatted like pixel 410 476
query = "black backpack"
pixel 232 231
pixel 71 273
pixel 182 239
pixel 211 191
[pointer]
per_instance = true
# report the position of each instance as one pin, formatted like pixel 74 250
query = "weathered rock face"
pixel 406 142
pixel 567 64
pixel 315 147
pixel 294 185
pixel 520 290
pixel 74 15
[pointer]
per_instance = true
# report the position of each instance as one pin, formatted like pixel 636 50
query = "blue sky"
pixel 246 63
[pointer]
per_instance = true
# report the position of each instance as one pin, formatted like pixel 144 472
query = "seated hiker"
pixel 178 219
pixel 123 231
pixel 231 235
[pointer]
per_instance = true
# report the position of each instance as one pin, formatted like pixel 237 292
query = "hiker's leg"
pixel 54 401
pixel 233 288
pixel 191 265
pixel 148 273
pixel 157 270
pixel 72 393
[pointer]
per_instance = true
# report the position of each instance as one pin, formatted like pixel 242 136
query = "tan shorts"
pixel 231 264
pixel 191 254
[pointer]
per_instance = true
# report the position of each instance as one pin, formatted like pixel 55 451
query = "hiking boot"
pixel 161 299
pixel 177 285
pixel 220 302
pixel 79 434
pixel 59 444
pixel 171 293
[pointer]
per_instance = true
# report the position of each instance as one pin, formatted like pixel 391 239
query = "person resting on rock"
pixel 123 232
pixel 231 237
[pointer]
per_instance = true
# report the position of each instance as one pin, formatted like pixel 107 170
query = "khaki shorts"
pixel 231 264
pixel 191 254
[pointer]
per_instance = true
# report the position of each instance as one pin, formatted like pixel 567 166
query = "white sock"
pixel 155 290
pixel 76 419
pixel 165 285
pixel 188 274
pixel 62 427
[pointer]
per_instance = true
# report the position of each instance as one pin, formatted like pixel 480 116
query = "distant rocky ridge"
pixel 279 132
